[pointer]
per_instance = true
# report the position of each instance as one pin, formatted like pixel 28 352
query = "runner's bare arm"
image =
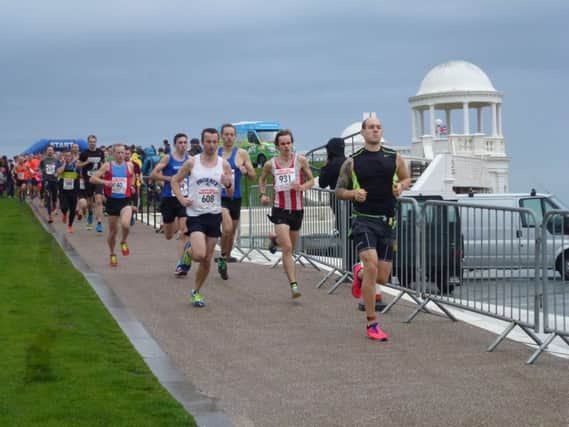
pixel 344 189
pixel 263 178
pixel 263 182
pixel 245 161
pixel 60 169
pixel 157 171
pixel 403 175
pixel 226 179
pixel 97 177
pixel 305 167
pixel 80 164
pixel 184 171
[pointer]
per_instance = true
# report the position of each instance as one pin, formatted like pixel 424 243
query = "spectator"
pixel 3 176
pixel 10 180
pixel 166 146
pixel 334 158
pixel 195 147
pixel 329 173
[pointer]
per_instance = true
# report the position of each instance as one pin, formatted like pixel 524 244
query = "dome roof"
pixel 352 129
pixel 455 76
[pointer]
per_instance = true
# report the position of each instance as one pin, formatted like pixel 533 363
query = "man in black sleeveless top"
pixel 367 179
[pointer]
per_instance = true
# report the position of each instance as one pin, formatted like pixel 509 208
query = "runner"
pixel 21 175
pixel 48 168
pixel 240 164
pixel 117 178
pixel 136 182
pixel 208 174
pixel 90 161
pixel 173 213
pixel 69 175
pixel 367 179
pixel 291 177
pixel 75 151
pixel 35 174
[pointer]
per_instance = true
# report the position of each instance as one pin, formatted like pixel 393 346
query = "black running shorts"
pixel 233 206
pixel 369 233
pixel 113 207
pixel 209 224
pixel 171 209
pixel 289 217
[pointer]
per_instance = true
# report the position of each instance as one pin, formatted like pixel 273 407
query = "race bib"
pixel 50 168
pixel 68 183
pixel 21 176
pixel 118 185
pixel 284 179
pixel 95 161
pixel 207 198
pixel 81 184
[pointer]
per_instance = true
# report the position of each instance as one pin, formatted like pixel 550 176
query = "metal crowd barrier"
pixel 406 273
pixel 324 234
pixel 554 278
pixel 149 204
pixel 482 259
pixel 254 230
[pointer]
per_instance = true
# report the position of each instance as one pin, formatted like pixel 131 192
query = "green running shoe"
pixel 197 299
pixel 222 268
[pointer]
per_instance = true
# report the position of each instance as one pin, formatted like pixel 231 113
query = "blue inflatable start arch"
pixel 57 144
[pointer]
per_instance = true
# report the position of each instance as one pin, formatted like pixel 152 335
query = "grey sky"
pixel 142 71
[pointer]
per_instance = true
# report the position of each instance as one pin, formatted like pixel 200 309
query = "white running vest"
pixel 205 188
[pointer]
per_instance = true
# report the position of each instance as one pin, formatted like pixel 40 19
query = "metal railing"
pixel 554 278
pixel 483 260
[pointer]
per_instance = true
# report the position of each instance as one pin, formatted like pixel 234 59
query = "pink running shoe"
pixel 357 283
pixel 375 333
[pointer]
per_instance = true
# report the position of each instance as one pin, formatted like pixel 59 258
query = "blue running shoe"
pixel 90 218
pixel 99 227
pixel 181 269
pixel 197 299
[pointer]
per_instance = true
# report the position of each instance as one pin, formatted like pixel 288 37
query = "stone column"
pixel 466 118
pixel 448 119
pixel 494 119
pixel 421 122
pixel 432 120
pixel 500 120
pixel 480 125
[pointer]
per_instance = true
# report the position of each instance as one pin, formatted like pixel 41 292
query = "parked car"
pixel 505 238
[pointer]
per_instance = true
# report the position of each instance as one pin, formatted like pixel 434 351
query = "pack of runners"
pixel 200 200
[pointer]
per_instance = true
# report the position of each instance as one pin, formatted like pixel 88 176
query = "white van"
pixel 497 238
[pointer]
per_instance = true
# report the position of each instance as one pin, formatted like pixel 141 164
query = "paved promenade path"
pixel 267 360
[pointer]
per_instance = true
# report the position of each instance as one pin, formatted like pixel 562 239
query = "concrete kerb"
pixel 201 406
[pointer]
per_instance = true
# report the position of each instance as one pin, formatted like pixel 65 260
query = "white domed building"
pixel 449 131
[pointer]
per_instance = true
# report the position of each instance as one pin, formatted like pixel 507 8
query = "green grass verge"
pixel 63 359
